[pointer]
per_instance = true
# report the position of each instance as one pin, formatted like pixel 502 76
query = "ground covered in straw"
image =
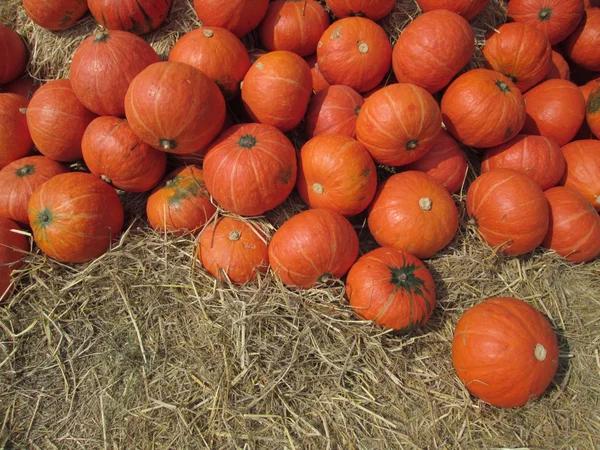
pixel 141 349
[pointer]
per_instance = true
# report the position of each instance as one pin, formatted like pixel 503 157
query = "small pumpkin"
pixel 583 169
pixel 593 112
pixel 319 82
pixel 466 8
pixel 334 110
pixel 13 247
pixel 589 87
pixel 15 140
pixel 371 9
pixel 581 46
pixel 238 16
pixel 13 55
pixel 134 16
pixel 559 69
pixel 25 86
pixel 57 15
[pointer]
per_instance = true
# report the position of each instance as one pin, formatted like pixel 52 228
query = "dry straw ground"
pixel 141 349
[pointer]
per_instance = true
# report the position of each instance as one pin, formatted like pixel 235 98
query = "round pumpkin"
pixel 250 169
pixel 445 162
pixel 399 124
pixel 589 87
pixel 556 18
pixel 180 203
pixel 57 120
pixel 15 140
pixel 13 247
pixel 593 112
pixel 559 69
pixel 519 51
pixel 319 82
pixel 238 16
pixel 583 169
pixel 509 211
pixel 218 53
pixel 355 52
pixel 174 107
pixel 505 351
pixel 134 16
pixel 392 288
pixel 581 46
pixel 293 25
pixel 371 9
pixel 535 156
pixel 414 213
pixel 231 249
pixel 313 247
pixel 75 217
pixel 555 109
pixel 277 89
pixel 336 172
pixel 19 179
pixel 483 108
pixel 13 56
pixel 25 86
pixel 432 49
pixel 56 15
pixel 466 8
pixel 334 110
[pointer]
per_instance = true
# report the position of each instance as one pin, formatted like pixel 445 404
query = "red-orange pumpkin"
pixel 466 8
pixel 319 82
pixel 75 217
pixel 250 169
pixel 483 108
pixel 13 57
pixel 371 9
pixel 277 89
pixel 433 49
pixel 583 169
pixel 174 107
pixel 356 52
pixel 134 16
pixel 218 53
pixel 559 69
pixel 509 210
pixel 593 112
pixel 414 213
pixel 392 288
pixel 55 15
pixel 399 124
pixel 313 247
pixel 15 140
pixel 13 247
pixel 505 351
pixel 234 250
pixel 519 51
pixel 25 86
pixel 333 110
pixel 238 16
pixel 581 46
pixel 589 87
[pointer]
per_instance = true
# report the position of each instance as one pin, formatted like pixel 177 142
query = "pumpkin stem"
pixel 593 103
pixel 598 199
pixel 357 110
pixel 540 352
pixel 22 110
pixel 472 222
pixel 247 141
pixel 503 86
pixel 167 144
pixel 363 47
pixel 325 278
pixel 101 36
pixel 208 33
pixel 545 14
pixel 425 204
pixel 412 144
pixel 260 66
pixel 405 278
pixel 235 235
pixel 318 188
pixel 106 179
pixel 44 218
pixel 25 171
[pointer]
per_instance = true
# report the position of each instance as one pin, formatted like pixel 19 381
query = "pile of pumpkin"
pixel 122 110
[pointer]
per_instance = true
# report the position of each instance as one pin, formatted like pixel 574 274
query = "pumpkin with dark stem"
pixel 334 110
pixel 13 246
pixel 134 16
pixel 55 15
pixel 583 169
pixel 466 8
pixel 581 46
pixel 238 16
pixel 371 9
pixel 13 55
pixel 593 112
pixel 15 139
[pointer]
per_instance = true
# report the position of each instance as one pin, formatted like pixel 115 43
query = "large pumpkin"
pixel 583 169
pixel 392 288
pixel 174 107
pixel 371 9
pixel 15 140
pixel 75 217
pixel 336 172
pixel 505 351
pixel 57 121
pixel 13 57
pixel 312 247
pixel 218 53
pixel 277 89
pixel 414 213
pixel 581 46
pixel 509 211
pixel 356 52
pixel 432 49
pixel 399 124
pixel 56 15
pixel 559 69
pixel 334 110
pixel 250 169
pixel 483 108
pixel 593 112
pixel 238 16
pixel 466 8
pixel 319 82
pixel 13 246
pixel 134 16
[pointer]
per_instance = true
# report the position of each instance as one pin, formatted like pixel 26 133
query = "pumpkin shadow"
pixel 564 363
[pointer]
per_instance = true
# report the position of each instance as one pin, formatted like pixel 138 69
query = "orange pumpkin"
pixel 593 112
pixel 55 15
pixel 25 86
pixel 238 16
pixel 466 8
pixel 319 82
pixel 15 140
pixel 13 56
pixel 414 213
pixel 334 110
pixel 589 87
pixel 559 69
pixel 13 247
pixel 134 16
pixel 581 46
pixel 583 169
pixel 371 9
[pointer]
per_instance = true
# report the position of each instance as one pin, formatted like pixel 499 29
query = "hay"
pixel 141 349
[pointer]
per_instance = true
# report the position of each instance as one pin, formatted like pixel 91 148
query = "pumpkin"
pixel 371 9
pixel 293 25
pixel 218 53
pixel 25 86
pixel 483 108
pixel 432 49
pixel 277 89
pixel 574 231
pixel 355 52
pixel 414 213
pixel 519 51
pixel 75 217
pixel 13 247
pixel 56 15
pixel 13 56
pixel 192 108
pixel 392 288
pixel 319 82
pixel 505 351
pixel 180 203
pixel 134 16
pixel 250 169
pixel 589 87
pixel 466 8
pixel 583 169
pixel 15 140
pixel 336 172
pixel 509 210
pixel 555 109
pixel 238 16
pixel 555 18
pixel 399 124
pixel 559 69
pixel 57 120
pixel 313 247
pixel 593 112
pixel 231 249
pixel 581 46
pixel 535 156
pixel 334 110
pixel 19 179
pixel 445 162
